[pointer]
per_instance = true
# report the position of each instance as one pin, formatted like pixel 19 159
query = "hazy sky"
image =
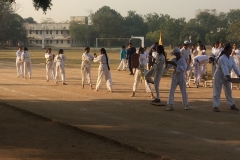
pixel 63 9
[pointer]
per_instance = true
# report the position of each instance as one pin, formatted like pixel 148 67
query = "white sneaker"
pixel 187 107
pixel 170 108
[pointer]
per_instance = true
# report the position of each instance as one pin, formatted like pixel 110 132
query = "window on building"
pixel 30 32
pixel 56 32
pixel 40 42
pixel 36 32
pixel 30 41
pixel 37 41
pixel 40 32
pixel 47 32
pixel 67 31
pixel 57 41
pixel 47 41
pixel 61 41
pixel 62 32
pixel 50 41
pixel 50 32
pixel 68 41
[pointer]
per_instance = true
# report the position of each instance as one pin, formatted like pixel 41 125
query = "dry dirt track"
pixel 196 134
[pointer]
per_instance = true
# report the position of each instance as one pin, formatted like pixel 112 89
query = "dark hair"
pixel 160 48
pixel 87 48
pixel 48 49
pixel 140 48
pixel 105 53
pixel 227 47
pixel 19 46
pixel 130 43
pixel 154 48
pixel 199 42
pixel 60 51
pixel 123 47
pixel 156 43
pixel 25 49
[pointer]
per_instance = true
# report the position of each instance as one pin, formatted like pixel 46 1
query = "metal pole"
pixel 96 43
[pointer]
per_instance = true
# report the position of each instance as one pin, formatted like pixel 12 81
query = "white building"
pixel 53 35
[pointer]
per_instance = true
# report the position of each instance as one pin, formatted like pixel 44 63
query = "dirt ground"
pixel 196 134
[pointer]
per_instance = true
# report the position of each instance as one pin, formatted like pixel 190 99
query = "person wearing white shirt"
pixel 86 67
pixel 216 51
pixel 222 78
pixel 19 62
pixel 50 67
pixel 103 70
pixel 186 54
pixel 27 64
pixel 157 71
pixel 59 60
pixel 236 56
pixel 199 62
pixel 179 65
pixel 140 73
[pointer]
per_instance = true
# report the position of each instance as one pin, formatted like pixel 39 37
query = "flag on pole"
pixel 160 39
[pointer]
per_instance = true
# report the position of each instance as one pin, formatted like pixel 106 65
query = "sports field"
pixel 196 134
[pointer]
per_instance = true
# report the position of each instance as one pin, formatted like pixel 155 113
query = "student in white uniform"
pixel 222 78
pixel 186 54
pixel 216 51
pixel 27 64
pixel 103 70
pixel 19 62
pixel 50 66
pixel 236 56
pixel 59 60
pixel 157 71
pixel 86 67
pixel 179 65
pixel 199 62
pixel 140 73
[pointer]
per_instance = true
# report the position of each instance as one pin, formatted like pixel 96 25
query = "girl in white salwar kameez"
pixel 140 73
pixel 27 64
pixel 103 70
pixel 179 65
pixel 236 56
pixel 222 78
pixel 59 60
pixel 86 67
pixel 50 66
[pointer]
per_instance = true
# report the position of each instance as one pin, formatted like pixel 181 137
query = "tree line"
pixel 208 26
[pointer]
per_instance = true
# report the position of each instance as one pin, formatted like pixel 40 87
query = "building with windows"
pixel 53 34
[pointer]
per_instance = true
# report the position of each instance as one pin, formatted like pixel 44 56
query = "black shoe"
pixel 156 101
pixel 150 82
pixel 215 109
pixel 131 74
pixel 234 108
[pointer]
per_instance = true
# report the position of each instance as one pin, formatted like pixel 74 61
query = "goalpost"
pixel 129 39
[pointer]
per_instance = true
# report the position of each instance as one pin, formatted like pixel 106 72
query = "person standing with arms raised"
pixel 130 51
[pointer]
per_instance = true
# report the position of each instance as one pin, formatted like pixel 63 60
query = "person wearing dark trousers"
pixel 130 51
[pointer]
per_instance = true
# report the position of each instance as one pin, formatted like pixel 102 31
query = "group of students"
pixel 225 65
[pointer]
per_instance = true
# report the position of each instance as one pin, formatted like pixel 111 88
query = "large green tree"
pixel 38 4
pixel 107 23
pixel 135 25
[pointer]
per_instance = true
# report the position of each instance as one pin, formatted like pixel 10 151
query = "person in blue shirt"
pixel 123 58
